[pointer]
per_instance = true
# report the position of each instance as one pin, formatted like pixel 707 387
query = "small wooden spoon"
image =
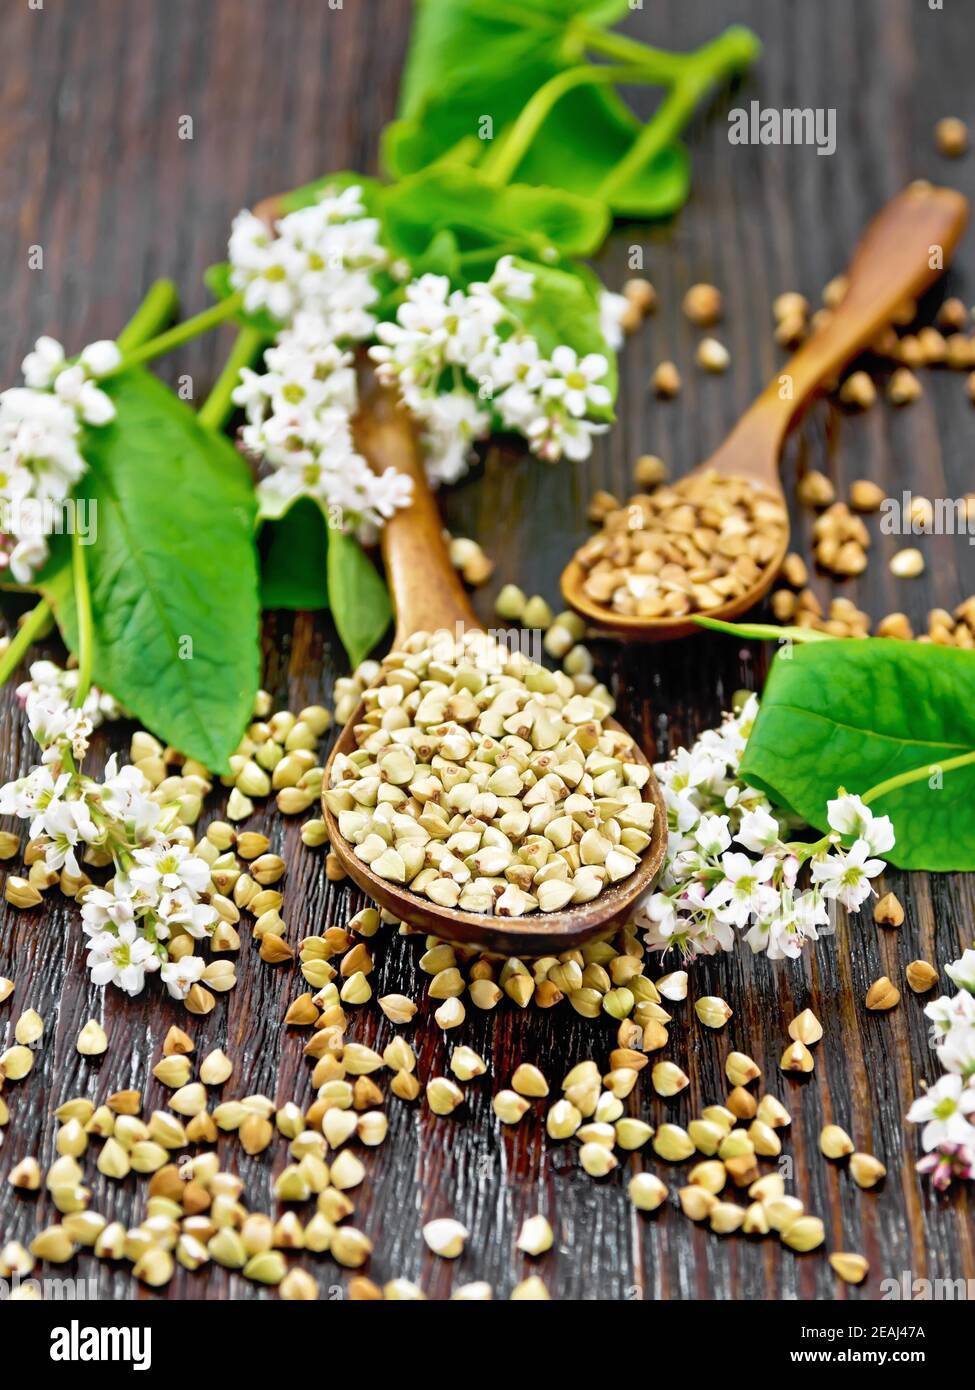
pixel 428 596
pixel 891 265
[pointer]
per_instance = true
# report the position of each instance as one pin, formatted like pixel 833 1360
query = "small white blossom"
pixel 578 383
pixel 180 975
pixel 962 972
pixel 846 877
pixel 943 1110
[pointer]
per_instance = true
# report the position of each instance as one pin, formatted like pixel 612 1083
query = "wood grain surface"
pixel 92 169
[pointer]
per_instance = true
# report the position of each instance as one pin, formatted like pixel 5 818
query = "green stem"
pixel 508 152
pixel 218 406
pixel 156 311
pixel 657 63
pixel 707 66
pixel 182 332
pixel 86 632
pixel 35 622
pixel 917 774
pixel 763 632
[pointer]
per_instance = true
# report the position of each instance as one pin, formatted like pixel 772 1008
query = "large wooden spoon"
pixel 903 251
pixel 428 597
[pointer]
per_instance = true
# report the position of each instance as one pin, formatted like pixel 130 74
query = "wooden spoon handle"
pixel 904 250
pixel 427 591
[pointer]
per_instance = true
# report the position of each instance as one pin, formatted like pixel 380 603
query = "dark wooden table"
pixel 92 169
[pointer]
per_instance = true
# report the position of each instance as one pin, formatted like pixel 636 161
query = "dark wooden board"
pixel 92 169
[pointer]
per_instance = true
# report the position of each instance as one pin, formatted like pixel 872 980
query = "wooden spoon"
pixel 428 596
pixel 891 265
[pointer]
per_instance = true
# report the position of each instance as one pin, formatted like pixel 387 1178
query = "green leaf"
pixel 853 714
pixel 565 309
pixel 359 598
pixel 599 129
pixel 452 197
pixel 173 571
pixel 294 554
pixel 442 257
pixel 496 56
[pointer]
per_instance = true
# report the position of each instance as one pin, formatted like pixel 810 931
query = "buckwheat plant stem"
pixel 32 626
pixel 181 333
pixel 704 69
pixel 158 309
pixel 82 603
pixel 218 406
pixel 503 159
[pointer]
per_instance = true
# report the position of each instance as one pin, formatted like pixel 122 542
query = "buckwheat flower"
pixel 553 436
pixel 41 366
pixel 947 1013
pixel 75 388
pixel 846 876
pixel 125 796
pixel 948 1162
pixel 851 817
pixel 451 423
pixel 50 681
pixel 123 958
pixel 179 976
pixel 182 909
pixel 795 922
pixel 956 1051
pixel 744 890
pixel 712 834
pixel 758 831
pixel 104 910
pixel 578 384
pixel 53 722
pixel 519 360
pixel 66 825
pixel 962 971
pixel 943 1111
pixel 166 867
pixel 612 308
pixel 101 357
pixel 509 281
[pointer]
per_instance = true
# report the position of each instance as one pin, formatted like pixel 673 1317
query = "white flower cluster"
pixel 51 684
pixel 472 343
pixel 319 259
pixel 728 867
pixel 947 1109
pixel 40 458
pixel 159 883
pixel 315 276
pixel 299 419
pixel 461 359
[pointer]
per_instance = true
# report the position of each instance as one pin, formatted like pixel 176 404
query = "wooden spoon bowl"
pixel 537 934
pixel 891 265
pixel 429 597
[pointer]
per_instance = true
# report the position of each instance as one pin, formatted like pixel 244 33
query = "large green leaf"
pixel 471 58
pixel 358 596
pixel 173 571
pixel 294 553
pixel 457 43
pixel 854 714
pixel 460 200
